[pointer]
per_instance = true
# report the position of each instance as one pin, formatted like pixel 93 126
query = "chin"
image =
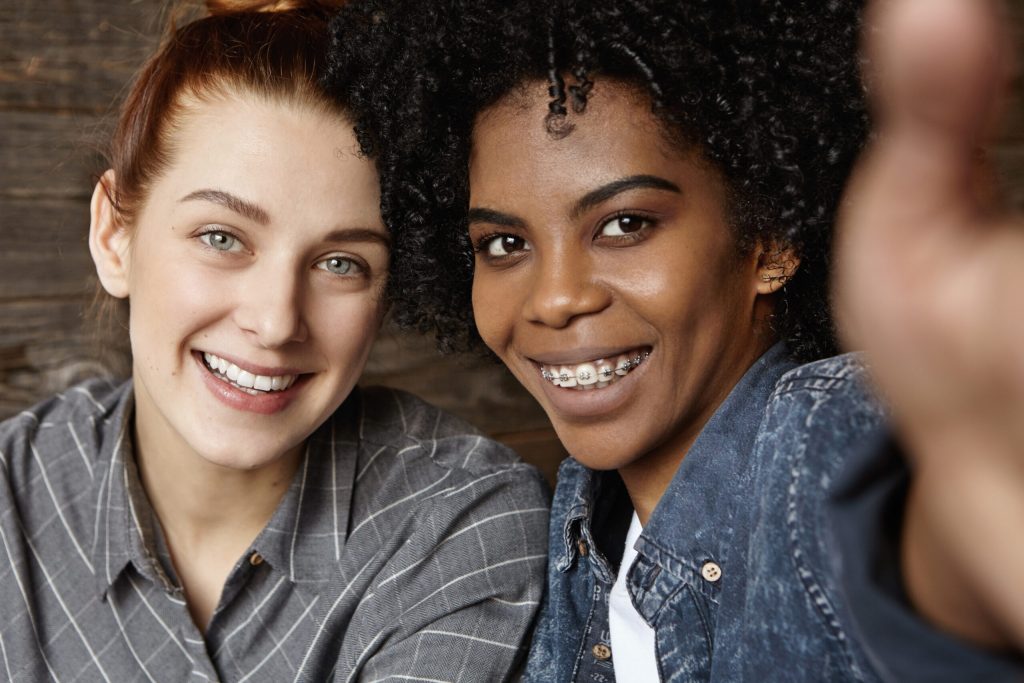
pixel 228 454
pixel 598 451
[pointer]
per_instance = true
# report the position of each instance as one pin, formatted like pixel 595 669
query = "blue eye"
pixel 498 246
pixel 339 265
pixel 623 225
pixel 221 241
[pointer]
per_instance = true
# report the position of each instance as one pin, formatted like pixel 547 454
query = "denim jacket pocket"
pixel 684 636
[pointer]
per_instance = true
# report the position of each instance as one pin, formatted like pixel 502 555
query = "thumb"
pixel 938 72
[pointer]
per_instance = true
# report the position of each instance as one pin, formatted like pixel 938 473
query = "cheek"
pixel 167 295
pixel 492 312
pixel 348 328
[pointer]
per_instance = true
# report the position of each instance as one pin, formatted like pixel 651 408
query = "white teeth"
pixel 586 374
pixel 596 374
pixel 250 382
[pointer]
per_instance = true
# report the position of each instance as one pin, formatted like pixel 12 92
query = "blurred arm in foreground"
pixel 929 282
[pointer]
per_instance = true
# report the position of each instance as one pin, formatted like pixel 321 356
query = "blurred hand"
pixel 930 283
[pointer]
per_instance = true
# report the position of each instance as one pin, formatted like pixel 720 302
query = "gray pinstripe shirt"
pixel 407 548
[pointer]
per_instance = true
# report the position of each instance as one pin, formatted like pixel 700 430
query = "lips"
pixel 245 380
pixel 282 386
pixel 594 374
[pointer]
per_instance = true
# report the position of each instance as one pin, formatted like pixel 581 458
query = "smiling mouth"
pixel 594 374
pixel 256 385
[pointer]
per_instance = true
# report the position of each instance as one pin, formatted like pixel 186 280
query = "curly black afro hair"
pixel 769 90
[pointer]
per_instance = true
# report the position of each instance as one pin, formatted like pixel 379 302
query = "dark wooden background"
pixel 63 66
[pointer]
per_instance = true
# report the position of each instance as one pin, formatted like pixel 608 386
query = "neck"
pixel 202 505
pixel 647 478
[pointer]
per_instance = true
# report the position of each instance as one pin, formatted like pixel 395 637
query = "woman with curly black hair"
pixel 631 205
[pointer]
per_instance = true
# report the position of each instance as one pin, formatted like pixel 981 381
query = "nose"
pixel 270 307
pixel 564 289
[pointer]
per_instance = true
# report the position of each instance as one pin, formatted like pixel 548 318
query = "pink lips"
pixel 233 397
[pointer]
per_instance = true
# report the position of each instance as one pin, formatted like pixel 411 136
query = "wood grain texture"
pixel 73 55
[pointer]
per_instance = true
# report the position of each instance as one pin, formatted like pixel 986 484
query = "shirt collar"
pixel 307 533
pixel 124 520
pixel 303 539
pixel 692 520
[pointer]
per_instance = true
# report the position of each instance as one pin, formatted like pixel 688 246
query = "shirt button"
pixel 255 559
pixel 602 652
pixel 582 545
pixel 711 572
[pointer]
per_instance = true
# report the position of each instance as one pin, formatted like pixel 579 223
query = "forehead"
pixel 617 135
pixel 291 154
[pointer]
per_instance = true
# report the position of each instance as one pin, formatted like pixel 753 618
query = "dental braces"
pixel 604 374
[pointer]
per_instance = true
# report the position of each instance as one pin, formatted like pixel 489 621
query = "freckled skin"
pixel 678 285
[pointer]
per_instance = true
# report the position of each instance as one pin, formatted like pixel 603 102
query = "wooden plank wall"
pixel 63 65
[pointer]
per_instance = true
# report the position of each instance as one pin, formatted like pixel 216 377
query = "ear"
pixel 109 239
pixel 776 265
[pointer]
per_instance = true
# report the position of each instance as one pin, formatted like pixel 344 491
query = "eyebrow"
pixel 358 235
pixel 231 202
pixel 477 215
pixel 633 182
pixel 587 201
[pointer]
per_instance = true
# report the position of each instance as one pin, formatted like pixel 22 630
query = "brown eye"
pixel 505 245
pixel 623 225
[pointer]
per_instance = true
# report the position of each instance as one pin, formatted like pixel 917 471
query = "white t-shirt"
pixel 633 654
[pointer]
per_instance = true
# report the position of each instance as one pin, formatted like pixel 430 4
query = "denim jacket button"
pixel 711 572
pixel 582 545
pixel 602 652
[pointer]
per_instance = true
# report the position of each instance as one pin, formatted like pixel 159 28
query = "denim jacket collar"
pixel 694 515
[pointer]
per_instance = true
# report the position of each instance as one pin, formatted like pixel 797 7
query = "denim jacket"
pixel 738 568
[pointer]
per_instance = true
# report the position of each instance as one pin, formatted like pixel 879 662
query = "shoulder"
pixel 397 419
pixel 819 418
pixel 78 418
pixel 423 463
pixel 829 399
pixel 840 375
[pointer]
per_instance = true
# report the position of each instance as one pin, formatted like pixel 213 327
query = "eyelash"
pixel 207 234
pixel 361 269
pixel 481 245
pixel 647 223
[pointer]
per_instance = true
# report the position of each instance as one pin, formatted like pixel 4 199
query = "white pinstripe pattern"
pixel 60 510
pixel 81 451
pixel 463 530
pixel 433 572
pixel 64 608
pixel 452 634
